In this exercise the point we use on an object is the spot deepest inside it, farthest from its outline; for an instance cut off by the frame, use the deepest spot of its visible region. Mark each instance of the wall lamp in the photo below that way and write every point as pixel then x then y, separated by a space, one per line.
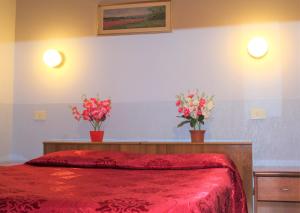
pixel 258 47
pixel 53 58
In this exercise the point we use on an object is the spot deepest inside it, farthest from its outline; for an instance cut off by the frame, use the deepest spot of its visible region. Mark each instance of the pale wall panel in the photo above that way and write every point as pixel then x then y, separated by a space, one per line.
pixel 7 37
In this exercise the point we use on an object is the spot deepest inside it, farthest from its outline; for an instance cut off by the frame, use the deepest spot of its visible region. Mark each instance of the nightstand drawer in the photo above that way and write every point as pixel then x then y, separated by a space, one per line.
pixel 278 189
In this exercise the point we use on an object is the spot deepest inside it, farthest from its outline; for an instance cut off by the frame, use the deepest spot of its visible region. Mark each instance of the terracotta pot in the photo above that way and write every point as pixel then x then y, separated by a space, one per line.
pixel 97 136
pixel 197 136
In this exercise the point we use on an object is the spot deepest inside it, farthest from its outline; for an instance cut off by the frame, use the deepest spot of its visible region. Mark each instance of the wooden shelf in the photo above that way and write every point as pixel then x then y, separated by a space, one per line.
pixel 10 163
pixel 150 142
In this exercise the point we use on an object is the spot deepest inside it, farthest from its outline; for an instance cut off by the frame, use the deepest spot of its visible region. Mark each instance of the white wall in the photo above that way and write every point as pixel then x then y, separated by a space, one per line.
pixel 143 74
pixel 7 37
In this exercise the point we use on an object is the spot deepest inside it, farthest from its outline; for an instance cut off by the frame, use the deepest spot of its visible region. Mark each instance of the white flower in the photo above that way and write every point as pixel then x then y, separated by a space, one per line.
pixel 206 113
pixel 210 105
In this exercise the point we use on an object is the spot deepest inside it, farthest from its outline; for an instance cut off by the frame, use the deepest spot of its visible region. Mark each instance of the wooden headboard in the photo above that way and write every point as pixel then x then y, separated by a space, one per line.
pixel 239 152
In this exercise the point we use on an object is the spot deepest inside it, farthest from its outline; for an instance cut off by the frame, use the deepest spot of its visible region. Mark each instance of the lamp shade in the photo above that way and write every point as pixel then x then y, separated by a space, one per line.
pixel 258 47
pixel 53 58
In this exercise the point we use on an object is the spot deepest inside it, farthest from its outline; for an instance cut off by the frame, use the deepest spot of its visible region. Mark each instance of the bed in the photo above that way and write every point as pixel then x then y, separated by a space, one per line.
pixel 240 153
pixel 113 181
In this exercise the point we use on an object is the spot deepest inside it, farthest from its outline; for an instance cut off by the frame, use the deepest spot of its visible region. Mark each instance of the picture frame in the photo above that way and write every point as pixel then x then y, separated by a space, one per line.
pixel 135 17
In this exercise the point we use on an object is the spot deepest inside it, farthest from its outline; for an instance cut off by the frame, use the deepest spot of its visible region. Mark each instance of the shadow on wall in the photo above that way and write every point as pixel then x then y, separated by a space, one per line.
pixel 51 19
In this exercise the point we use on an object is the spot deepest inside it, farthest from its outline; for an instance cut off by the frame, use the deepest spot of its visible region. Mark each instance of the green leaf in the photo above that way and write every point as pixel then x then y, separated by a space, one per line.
pixel 193 123
pixel 182 123
pixel 201 118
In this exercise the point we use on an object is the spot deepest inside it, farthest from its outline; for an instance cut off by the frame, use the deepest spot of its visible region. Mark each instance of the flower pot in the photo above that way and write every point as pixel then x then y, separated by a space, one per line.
pixel 97 136
pixel 197 136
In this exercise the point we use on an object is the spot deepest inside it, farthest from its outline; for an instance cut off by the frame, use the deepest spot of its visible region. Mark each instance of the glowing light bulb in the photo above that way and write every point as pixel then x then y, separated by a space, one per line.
pixel 258 47
pixel 53 58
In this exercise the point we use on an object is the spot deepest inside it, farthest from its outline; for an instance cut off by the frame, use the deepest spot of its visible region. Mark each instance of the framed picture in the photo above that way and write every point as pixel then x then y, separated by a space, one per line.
pixel 138 17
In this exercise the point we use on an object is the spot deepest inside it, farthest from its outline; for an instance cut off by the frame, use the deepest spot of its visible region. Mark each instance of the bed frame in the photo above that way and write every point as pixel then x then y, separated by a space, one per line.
pixel 239 152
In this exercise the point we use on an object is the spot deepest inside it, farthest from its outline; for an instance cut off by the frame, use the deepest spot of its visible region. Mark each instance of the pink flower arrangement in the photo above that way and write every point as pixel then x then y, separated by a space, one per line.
pixel 194 108
pixel 95 111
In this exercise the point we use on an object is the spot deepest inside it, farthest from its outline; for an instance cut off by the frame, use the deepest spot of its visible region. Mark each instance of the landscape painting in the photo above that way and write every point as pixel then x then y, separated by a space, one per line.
pixel 135 18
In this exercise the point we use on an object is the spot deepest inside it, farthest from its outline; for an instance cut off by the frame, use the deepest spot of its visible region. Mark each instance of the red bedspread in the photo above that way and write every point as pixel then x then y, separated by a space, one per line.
pixel 93 181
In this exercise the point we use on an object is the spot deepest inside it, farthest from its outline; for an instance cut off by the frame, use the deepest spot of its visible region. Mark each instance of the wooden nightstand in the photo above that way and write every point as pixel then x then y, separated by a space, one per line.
pixel 277 190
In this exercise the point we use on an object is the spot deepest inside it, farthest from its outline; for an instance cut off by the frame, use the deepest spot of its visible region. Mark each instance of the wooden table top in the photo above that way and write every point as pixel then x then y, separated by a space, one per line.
pixel 146 142
pixel 277 171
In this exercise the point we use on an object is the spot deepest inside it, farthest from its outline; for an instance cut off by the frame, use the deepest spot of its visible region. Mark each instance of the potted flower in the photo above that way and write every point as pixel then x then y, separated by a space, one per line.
pixel 95 111
pixel 195 109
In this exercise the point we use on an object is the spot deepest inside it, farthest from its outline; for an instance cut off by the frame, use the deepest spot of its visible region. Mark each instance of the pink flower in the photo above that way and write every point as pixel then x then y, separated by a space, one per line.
pixel 108 109
pixel 74 109
pixel 180 109
pixel 76 113
pixel 199 112
pixel 94 102
pixel 97 115
pixel 77 117
pixel 87 104
pixel 194 108
pixel 95 111
pixel 106 103
pixel 99 103
pixel 104 110
pixel 202 102
pixel 86 115
pixel 186 112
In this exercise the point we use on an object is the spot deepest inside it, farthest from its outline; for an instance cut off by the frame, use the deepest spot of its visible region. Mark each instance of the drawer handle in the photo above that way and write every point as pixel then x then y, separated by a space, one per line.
pixel 284 189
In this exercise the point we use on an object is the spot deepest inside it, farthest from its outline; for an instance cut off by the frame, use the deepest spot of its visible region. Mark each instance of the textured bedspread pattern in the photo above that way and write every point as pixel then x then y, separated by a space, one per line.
pixel 97 181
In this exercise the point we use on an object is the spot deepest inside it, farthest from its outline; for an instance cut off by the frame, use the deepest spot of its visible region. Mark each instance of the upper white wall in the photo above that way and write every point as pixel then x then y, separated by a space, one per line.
pixel 143 74
pixel 7 38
